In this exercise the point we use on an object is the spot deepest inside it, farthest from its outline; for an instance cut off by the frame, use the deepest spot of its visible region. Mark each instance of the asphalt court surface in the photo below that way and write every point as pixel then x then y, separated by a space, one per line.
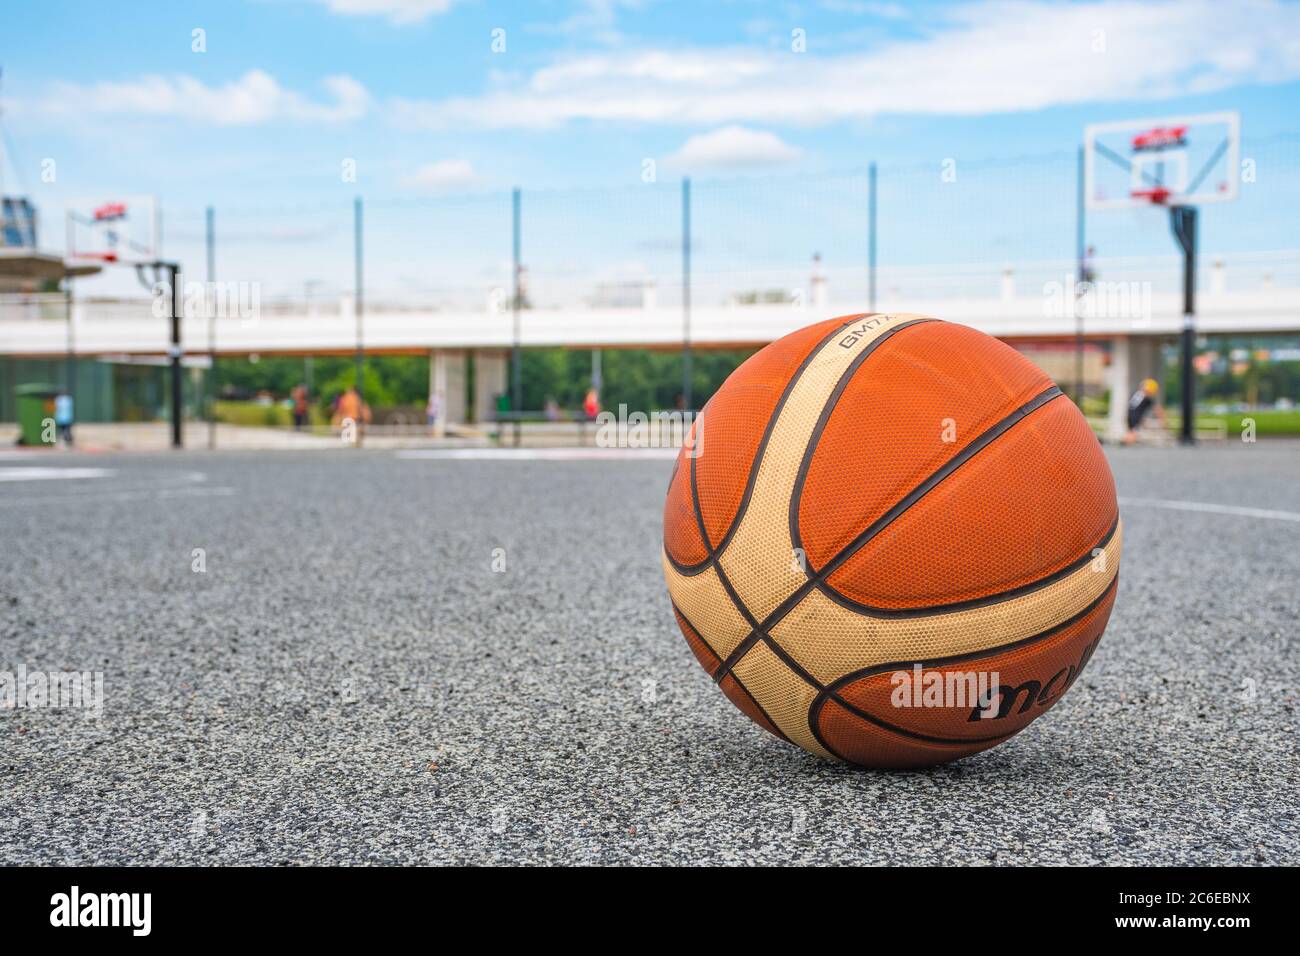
pixel 350 680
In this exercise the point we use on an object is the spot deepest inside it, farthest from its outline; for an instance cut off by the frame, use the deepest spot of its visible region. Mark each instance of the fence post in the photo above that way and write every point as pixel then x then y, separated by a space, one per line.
pixel 70 361
pixel 686 294
pixel 516 357
pixel 210 238
pixel 358 299
pixel 871 238
pixel 1081 250
pixel 1182 220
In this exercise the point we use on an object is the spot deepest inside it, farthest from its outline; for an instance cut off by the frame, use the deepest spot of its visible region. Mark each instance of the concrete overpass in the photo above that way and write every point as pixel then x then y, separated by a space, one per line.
pixel 1130 320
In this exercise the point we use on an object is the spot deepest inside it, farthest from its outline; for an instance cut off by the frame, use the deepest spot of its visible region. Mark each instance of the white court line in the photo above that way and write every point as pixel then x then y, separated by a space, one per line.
pixel 542 454
pixel 43 473
pixel 1206 506
pixel 185 484
pixel 146 494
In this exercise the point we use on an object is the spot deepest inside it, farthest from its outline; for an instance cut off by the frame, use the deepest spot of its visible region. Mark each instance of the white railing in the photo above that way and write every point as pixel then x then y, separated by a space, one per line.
pixel 39 307
pixel 841 288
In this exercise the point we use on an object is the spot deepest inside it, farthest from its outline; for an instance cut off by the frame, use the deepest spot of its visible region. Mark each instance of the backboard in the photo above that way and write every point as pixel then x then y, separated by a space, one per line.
pixel 1170 161
pixel 124 229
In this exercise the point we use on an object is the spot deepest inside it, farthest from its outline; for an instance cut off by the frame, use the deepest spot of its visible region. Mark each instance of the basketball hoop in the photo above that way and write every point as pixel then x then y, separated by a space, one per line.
pixel 1166 161
pixel 1156 195
pixel 1176 163
pixel 110 211
pixel 114 230
pixel 1162 137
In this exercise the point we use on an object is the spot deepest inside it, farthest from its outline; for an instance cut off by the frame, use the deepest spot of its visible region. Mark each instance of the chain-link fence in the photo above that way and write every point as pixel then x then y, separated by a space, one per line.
pixel 827 243
pixel 953 228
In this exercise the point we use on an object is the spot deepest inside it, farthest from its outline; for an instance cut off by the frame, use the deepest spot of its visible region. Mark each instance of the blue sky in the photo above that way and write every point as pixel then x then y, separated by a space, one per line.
pixel 584 93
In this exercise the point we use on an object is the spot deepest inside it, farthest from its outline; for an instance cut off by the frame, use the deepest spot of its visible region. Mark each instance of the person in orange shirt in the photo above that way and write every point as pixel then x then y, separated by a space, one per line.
pixel 351 406
pixel 591 404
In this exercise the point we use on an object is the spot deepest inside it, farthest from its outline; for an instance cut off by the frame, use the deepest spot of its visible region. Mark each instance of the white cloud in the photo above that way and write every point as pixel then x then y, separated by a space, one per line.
pixel 884 11
pixel 444 176
pixel 593 20
pixel 986 57
pixel 397 11
pixel 733 147
pixel 256 97
pixel 992 56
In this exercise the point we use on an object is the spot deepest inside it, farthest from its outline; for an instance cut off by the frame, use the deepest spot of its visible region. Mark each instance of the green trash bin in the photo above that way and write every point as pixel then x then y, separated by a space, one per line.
pixel 35 405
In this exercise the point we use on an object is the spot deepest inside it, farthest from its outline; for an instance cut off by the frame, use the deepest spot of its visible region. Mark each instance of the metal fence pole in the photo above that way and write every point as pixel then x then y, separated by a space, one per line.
pixel 687 404
pixel 1081 251
pixel 1182 219
pixel 516 358
pixel 68 303
pixel 211 239
pixel 871 238
pixel 172 270
pixel 70 365
pixel 359 284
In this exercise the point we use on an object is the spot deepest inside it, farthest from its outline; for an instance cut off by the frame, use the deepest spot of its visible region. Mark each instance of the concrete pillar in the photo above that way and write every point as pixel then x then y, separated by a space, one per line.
pixel 491 378
pixel 447 380
pixel 1132 359
pixel 438 389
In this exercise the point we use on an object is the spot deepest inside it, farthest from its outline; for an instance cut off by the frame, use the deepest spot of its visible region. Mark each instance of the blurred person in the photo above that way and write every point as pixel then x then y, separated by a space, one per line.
pixel 817 282
pixel 552 410
pixel 299 396
pixel 1089 269
pixel 591 404
pixel 432 410
pixel 1142 402
pixel 63 417
pixel 351 406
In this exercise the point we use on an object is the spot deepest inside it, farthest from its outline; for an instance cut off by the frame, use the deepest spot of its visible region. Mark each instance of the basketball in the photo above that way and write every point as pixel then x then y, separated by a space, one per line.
pixel 891 540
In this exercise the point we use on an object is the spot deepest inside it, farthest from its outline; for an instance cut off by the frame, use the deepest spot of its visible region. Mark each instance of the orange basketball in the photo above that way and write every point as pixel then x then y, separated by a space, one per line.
pixel 873 512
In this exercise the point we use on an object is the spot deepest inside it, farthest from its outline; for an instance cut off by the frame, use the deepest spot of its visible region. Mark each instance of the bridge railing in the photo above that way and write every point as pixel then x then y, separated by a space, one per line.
pixel 831 289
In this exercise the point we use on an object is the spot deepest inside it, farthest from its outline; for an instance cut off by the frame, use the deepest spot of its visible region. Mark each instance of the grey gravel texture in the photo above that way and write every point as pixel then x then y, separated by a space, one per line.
pixel 350 682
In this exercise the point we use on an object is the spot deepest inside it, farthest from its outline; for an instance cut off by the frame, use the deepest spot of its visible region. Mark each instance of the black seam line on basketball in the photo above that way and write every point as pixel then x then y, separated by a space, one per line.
pixel 915 495
pixel 739 683
pixel 790 662
pixel 711 553
pixel 1075 618
pixel 831 691
pixel 907 501
pixel 784 656
pixel 695 506
pixel 817 733
pixel 698 636
pixel 802 475
pixel 982 441
pixel 735 598
pixel 814 718
pixel 1038 584
pixel 823 689
pixel 759 707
